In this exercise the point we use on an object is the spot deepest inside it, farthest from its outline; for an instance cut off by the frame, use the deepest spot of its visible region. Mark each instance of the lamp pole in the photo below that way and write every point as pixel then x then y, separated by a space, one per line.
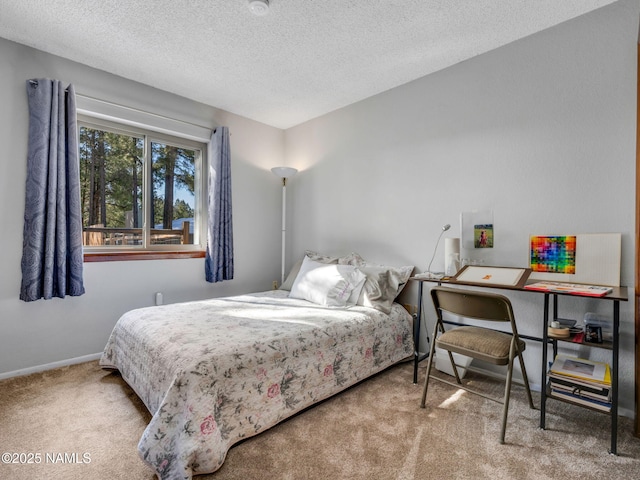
pixel 284 173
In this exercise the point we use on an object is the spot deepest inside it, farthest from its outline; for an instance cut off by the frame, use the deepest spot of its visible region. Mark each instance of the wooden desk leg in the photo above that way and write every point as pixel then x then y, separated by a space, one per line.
pixel 543 383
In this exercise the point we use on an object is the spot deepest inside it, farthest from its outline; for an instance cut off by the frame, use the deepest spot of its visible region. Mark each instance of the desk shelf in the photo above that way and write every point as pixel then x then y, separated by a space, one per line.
pixel 605 345
pixel 618 295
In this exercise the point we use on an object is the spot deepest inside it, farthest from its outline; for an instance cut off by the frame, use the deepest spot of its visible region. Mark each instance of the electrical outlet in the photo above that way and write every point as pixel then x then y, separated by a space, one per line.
pixel 274 285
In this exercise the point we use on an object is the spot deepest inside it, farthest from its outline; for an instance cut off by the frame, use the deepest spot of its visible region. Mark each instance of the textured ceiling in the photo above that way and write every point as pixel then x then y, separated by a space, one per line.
pixel 301 60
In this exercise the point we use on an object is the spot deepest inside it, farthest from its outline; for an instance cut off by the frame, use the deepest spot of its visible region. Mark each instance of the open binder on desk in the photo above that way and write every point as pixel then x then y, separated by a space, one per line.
pixel 493 276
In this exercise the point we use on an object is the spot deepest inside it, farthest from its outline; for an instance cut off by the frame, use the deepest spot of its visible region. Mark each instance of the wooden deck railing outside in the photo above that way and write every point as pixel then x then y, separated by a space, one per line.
pixel 97 235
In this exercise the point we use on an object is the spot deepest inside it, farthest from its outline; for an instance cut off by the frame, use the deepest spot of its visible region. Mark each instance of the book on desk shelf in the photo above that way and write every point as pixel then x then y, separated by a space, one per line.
pixel 583 389
pixel 582 400
pixel 581 381
pixel 570 288
pixel 579 369
pixel 560 381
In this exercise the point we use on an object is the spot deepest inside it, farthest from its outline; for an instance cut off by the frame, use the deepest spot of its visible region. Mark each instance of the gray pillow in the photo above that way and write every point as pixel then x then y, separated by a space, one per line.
pixel 383 283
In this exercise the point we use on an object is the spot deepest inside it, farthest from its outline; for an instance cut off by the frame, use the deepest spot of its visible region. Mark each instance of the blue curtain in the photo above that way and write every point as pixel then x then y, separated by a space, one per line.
pixel 52 236
pixel 219 259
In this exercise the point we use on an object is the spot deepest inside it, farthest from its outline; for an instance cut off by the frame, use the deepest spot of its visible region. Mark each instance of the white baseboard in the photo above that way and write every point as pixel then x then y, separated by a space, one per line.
pixel 50 366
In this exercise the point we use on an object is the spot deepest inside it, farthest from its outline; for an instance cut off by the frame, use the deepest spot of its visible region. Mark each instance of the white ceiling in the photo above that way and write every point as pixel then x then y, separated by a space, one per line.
pixel 303 59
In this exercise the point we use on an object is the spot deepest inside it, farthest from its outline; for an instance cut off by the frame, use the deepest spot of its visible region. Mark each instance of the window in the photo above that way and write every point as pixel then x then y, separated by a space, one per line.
pixel 141 191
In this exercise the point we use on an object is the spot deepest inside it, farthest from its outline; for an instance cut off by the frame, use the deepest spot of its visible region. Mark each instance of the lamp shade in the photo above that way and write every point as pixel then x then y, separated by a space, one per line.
pixel 284 172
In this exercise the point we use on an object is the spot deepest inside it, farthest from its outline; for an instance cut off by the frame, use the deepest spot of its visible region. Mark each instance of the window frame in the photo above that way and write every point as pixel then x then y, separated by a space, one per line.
pixel 148 251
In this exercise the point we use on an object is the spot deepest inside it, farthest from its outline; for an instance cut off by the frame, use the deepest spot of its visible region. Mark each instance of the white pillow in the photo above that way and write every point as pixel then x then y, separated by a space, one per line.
pixel 329 285
pixel 288 283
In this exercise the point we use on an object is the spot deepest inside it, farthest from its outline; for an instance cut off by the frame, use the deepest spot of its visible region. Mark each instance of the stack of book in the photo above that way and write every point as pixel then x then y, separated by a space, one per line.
pixel 584 382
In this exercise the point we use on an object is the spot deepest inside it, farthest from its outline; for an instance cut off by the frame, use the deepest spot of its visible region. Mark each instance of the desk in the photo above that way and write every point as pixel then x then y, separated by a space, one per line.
pixel 619 294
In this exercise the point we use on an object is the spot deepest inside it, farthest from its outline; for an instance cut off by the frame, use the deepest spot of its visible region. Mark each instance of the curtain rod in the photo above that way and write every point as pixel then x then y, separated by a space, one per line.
pixel 143 111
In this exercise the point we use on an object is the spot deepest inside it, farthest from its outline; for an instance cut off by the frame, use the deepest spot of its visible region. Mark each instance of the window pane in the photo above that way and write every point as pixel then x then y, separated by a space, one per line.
pixel 173 205
pixel 111 180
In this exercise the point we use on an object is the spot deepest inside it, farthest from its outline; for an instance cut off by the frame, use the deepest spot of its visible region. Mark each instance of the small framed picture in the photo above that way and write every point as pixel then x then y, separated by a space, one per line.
pixel 483 235
pixel 593 334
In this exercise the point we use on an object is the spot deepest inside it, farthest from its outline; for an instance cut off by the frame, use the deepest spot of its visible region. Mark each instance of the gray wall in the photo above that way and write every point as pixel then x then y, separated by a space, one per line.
pixel 541 132
pixel 45 332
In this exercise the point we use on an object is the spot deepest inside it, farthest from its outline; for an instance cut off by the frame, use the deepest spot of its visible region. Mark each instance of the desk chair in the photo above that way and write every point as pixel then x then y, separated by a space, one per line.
pixel 498 348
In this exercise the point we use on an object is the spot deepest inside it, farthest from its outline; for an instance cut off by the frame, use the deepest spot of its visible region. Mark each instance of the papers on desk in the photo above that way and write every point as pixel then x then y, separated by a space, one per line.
pixel 570 288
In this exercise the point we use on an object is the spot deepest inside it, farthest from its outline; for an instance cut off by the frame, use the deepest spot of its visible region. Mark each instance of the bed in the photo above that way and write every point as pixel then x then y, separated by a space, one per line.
pixel 217 371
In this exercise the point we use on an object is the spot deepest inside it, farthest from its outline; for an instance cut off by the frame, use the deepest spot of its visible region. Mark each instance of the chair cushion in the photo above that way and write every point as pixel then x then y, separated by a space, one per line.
pixel 481 343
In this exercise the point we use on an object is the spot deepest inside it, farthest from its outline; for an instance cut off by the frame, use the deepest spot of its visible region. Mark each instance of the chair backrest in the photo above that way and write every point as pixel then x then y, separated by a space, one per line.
pixel 473 304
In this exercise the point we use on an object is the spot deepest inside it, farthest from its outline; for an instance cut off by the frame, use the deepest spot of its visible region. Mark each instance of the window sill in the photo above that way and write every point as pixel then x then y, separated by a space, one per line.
pixel 147 255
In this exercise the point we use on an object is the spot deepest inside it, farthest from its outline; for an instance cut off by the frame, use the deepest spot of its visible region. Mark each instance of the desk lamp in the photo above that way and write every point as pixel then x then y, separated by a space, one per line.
pixel 429 273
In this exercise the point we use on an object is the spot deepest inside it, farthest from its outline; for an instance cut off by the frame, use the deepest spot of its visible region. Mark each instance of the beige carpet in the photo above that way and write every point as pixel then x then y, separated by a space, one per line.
pixel 375 430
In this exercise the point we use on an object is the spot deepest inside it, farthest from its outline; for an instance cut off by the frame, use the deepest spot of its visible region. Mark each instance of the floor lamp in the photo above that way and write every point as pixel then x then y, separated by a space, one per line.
pixel 284 173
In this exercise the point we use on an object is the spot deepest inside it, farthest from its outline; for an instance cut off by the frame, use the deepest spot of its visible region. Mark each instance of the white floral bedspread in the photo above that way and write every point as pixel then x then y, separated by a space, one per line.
pixel 217 371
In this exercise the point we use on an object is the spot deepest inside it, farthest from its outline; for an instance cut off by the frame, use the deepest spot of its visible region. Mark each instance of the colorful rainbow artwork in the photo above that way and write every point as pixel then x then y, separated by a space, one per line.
pixel 553 254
